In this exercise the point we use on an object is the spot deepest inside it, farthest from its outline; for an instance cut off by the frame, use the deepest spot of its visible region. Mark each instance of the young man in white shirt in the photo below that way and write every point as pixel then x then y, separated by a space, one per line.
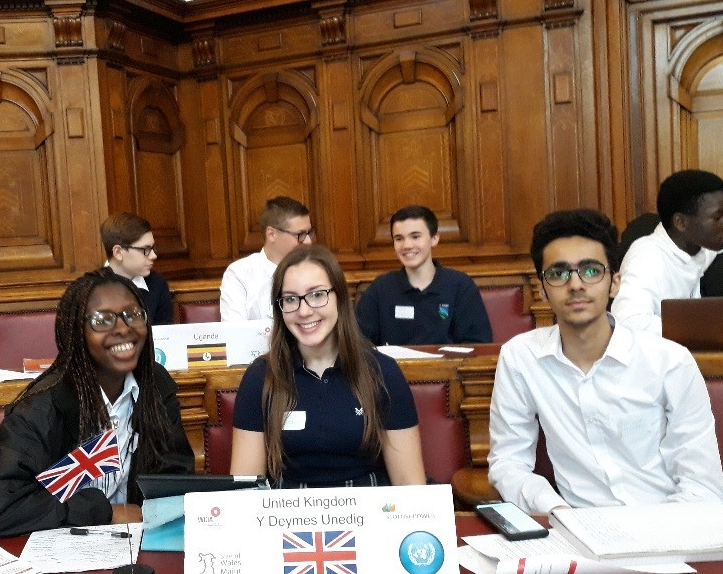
pixel 626 414
pixel 669 263
pixel 246 283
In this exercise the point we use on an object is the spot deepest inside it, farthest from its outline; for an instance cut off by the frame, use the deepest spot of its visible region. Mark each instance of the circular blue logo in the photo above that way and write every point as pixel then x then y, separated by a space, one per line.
pixel 160 356
pixel 421 553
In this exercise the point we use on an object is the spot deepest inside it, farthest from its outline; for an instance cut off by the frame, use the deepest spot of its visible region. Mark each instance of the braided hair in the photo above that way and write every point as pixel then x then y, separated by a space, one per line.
pixel 75 366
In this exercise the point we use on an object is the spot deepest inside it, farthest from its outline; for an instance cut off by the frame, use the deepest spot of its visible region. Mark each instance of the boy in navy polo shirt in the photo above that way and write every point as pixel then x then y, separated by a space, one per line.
pixel 423 303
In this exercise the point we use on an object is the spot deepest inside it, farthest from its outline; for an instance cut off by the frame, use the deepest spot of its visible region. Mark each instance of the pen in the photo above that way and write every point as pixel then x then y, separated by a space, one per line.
pixel 88 532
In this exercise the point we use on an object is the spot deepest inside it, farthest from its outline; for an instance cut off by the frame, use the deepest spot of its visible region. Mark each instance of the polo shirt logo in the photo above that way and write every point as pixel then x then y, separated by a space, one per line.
pixel 443 311
pixel 359 411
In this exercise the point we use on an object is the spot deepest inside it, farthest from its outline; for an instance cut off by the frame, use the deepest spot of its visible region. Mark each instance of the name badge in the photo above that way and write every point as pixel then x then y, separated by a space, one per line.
pixel 295 420
pixel 403 312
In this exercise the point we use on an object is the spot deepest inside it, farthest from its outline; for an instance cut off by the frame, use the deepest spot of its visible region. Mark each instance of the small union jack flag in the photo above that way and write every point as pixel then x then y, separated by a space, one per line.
pixel 319 552
pixel 89 461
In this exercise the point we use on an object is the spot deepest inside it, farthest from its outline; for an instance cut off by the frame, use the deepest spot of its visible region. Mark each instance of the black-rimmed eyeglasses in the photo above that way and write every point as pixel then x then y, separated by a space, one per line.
pixel 314 299
pixel 300 235
pixel 589 273
pixel 146 249
pixel 103 321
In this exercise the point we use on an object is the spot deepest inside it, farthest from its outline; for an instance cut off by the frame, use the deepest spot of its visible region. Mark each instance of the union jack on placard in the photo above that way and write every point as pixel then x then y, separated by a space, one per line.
pixel 91 460
pixel 331 552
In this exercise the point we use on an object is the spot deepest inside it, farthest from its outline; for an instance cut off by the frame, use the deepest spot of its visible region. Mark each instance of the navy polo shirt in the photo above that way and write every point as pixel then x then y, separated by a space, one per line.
pixel 450 310
pixel 325 430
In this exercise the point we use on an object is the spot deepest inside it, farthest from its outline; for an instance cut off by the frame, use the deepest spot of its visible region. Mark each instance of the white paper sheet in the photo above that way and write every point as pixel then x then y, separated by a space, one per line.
pixel 552 555
pixel 397 352
pixel 10 564
pixel 456 349
pixel 6 375
pixel 59 551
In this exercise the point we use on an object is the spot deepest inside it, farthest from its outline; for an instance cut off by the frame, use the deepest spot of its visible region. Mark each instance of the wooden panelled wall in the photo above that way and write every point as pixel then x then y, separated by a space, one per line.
pixel 491 112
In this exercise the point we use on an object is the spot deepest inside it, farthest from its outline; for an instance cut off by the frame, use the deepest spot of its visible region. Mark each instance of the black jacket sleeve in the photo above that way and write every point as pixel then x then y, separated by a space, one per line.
pixel 158 299
pixel 35 434
pixel 179 457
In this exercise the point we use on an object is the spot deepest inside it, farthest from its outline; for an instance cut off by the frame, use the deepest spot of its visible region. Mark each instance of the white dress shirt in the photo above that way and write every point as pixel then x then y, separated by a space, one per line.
pixel 636 429
pixel 246 289
pixel 653 269
pixel 115 485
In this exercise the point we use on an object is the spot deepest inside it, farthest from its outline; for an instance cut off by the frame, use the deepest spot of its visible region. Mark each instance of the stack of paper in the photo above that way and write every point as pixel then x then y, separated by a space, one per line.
pixel 674 532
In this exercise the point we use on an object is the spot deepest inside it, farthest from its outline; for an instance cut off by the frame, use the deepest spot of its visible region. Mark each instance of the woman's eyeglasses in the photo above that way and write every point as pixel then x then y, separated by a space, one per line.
pixel 103 321
pixel 314 299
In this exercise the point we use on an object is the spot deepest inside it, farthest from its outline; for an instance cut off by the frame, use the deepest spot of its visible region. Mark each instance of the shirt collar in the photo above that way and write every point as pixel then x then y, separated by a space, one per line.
pixel 298 361
pixel 670 246
pixel 269 265
pixel 433 287
pixel 619 347
pixel 138 281
pixel 130 385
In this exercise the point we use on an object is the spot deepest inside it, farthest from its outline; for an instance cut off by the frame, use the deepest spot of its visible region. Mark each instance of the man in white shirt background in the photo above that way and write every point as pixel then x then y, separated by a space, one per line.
pixel 669 263
pixel 246 283
pixel 626 414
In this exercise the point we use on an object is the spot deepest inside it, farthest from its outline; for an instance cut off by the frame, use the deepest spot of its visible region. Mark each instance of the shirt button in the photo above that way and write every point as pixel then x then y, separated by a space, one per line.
pixel 325 381
pixel 591 420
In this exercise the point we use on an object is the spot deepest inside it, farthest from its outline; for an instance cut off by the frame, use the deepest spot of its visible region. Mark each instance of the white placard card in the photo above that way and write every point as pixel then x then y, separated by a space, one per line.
pixel 200 345
pixel 404 529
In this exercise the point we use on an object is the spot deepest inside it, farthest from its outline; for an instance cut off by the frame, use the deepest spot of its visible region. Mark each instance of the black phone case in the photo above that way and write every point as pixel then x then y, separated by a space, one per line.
pixel 494 518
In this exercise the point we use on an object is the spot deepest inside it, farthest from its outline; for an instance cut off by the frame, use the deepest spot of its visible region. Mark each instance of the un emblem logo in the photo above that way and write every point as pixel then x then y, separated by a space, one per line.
pixel 160 356
pixel 421 553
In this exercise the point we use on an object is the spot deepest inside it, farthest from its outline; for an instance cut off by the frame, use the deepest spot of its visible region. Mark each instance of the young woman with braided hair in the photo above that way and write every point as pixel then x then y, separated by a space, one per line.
pixel 104 376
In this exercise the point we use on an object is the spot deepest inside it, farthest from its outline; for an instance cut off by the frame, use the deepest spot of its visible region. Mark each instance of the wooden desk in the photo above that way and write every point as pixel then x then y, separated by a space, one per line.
pixel 468 524
pixel 471 378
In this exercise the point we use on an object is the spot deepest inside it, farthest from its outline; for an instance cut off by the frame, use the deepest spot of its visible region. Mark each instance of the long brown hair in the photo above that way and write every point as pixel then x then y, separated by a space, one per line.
pixel 355 360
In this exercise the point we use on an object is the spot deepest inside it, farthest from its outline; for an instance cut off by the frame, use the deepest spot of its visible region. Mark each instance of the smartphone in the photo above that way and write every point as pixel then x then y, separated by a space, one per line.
pixel 511 521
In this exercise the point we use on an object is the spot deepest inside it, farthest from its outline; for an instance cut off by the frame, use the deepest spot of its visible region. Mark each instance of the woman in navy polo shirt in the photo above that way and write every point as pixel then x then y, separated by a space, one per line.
pixel 322 408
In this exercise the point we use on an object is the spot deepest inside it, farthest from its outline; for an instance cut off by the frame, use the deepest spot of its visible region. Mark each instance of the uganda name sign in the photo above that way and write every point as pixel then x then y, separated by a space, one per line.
pixel 390 529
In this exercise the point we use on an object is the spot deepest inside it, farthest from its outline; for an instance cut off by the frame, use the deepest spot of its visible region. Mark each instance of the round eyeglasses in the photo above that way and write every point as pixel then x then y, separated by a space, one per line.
pixel 146 249
pixel 103 321
pixel 314 299
pixel 589 273
pixel 300 235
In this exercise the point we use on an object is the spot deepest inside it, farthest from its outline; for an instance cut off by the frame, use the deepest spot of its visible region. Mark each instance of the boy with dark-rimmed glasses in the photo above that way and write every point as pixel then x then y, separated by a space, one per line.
pixel 626 414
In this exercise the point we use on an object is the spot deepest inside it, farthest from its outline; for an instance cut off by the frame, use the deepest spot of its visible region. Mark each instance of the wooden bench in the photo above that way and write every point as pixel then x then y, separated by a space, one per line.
pixel 445 441
pixel 506 305
pixel 26 335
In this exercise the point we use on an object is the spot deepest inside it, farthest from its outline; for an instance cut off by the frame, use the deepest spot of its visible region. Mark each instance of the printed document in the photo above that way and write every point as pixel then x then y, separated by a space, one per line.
pixel 550 555
pixel 60 551
pixel 676 531
pixel 9 564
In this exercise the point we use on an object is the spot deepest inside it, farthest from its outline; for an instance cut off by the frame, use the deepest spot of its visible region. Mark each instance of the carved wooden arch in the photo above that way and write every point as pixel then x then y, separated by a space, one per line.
pixel 155 119
pixel 409 106
pixel 30 227
pixel 18 90
pixel 694 54
pixel 431 67
pixel 276 108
